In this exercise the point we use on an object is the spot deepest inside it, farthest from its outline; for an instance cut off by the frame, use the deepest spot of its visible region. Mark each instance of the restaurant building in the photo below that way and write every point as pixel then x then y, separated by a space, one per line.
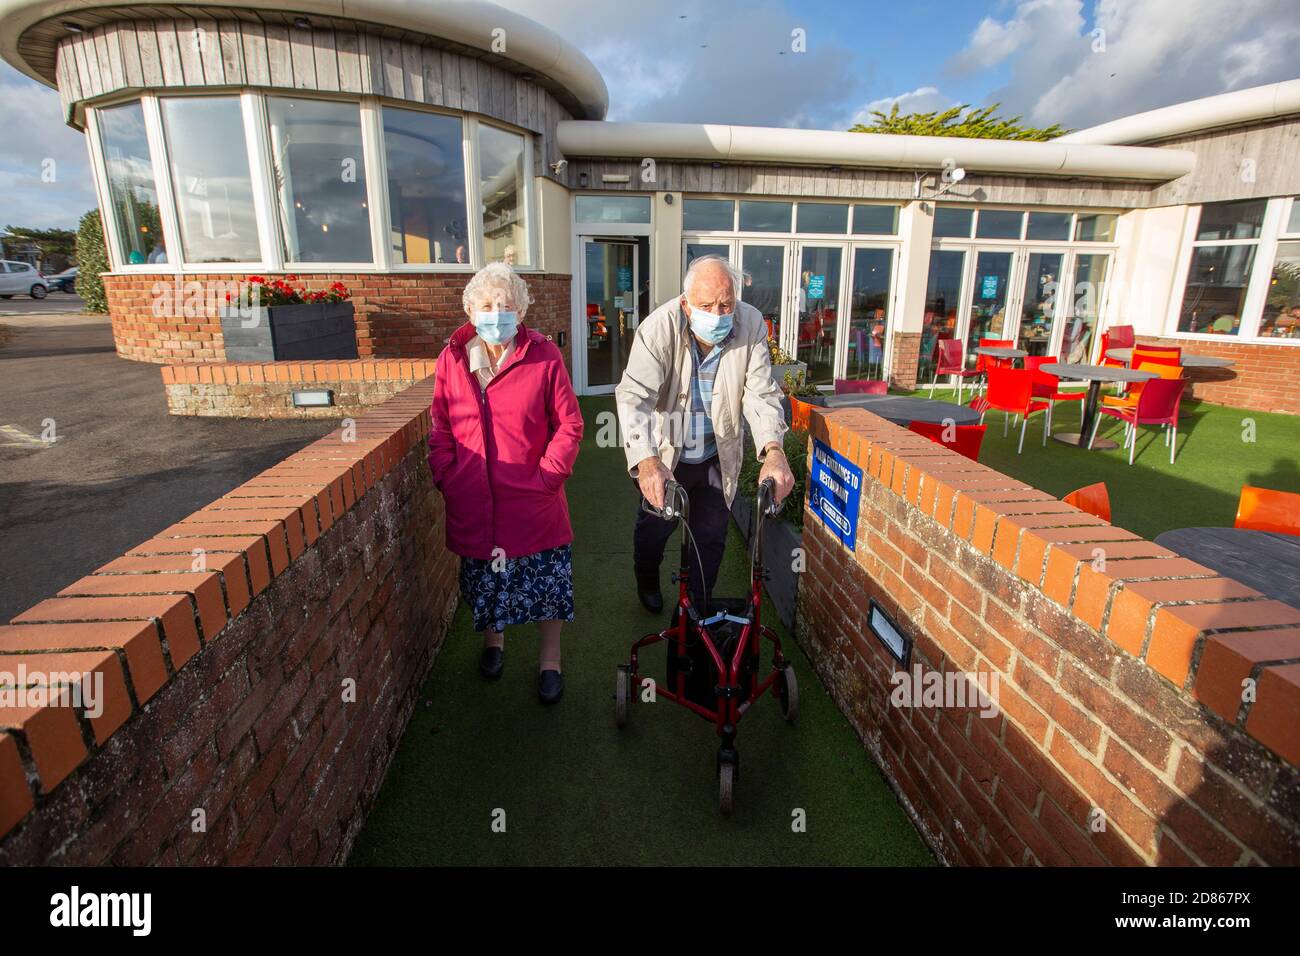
pixel 397 147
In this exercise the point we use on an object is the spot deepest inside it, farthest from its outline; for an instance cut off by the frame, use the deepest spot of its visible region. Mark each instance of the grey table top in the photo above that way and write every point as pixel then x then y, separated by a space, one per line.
pixel 902 409
pixel 1096 373
pixel 1267 562
pixel 1001 351
pixel 1186 361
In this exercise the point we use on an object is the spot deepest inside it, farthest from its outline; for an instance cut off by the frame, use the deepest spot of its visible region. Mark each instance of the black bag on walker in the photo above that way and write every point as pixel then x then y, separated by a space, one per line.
pixel 701 676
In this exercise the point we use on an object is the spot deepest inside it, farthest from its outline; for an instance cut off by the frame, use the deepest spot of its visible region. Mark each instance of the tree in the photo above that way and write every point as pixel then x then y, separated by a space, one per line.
pixel 960 121
pixel 56 245
pixel 92 259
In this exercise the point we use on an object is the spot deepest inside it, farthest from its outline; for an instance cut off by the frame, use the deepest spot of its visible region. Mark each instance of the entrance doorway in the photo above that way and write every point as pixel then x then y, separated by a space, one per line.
pixel 611 309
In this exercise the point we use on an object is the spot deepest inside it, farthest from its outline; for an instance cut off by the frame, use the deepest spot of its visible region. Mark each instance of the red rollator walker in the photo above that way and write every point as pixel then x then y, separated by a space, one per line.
pixel 714 658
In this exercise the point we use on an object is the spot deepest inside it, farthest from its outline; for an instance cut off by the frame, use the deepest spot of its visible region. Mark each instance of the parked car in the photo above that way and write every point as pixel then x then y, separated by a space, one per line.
pixel 65 281
pixel 19 278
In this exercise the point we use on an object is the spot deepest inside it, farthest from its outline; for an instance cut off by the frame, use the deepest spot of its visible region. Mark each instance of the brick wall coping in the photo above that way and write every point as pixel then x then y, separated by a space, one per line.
pixel 141 617
pixel 339 370
pixel 1201 631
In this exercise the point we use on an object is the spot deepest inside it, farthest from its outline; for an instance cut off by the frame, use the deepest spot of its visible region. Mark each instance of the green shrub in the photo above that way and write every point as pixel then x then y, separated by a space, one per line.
pixel 92 259
pixel 796 452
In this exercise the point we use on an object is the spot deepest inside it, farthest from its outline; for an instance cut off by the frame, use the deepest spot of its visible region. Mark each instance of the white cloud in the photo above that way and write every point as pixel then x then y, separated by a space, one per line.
pixel 1151 53
pixel 924 99
pixel 37 142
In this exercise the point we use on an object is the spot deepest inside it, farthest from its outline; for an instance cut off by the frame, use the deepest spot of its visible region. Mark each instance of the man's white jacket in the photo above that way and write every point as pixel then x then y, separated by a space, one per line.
pixel 654 395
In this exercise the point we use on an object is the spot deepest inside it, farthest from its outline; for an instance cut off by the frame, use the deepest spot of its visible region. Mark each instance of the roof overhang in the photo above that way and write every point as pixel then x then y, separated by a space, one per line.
pixel 1257 104
pixel 758 144
pixel 30 30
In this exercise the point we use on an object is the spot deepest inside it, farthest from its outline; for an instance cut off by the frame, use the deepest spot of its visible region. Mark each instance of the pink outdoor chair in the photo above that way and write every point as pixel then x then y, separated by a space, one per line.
pixel 952 361
pixel 861 386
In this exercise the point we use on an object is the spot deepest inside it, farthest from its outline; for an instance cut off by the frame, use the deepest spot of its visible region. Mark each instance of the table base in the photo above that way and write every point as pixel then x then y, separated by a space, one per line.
pixel 1081 441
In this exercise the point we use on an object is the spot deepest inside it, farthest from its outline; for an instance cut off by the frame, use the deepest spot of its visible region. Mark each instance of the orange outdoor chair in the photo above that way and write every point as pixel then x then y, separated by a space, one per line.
pixel 1094 499
pixel 966 439
pixel 1264 509
pixel 1011 391
pixel 1130 398
pixel 1157 354
pixel 861 386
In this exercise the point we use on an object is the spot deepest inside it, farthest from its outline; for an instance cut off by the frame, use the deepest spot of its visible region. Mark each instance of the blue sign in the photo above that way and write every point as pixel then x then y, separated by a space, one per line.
pixel 989 288
pixel 817 287
pixel 624 278
pixel 835 492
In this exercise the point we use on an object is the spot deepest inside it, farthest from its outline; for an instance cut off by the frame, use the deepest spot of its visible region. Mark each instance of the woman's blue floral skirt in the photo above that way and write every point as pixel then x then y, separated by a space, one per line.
pixel 532 587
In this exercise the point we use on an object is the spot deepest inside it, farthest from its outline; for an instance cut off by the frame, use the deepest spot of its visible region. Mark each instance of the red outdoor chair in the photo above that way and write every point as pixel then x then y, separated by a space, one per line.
pixel 1157 405
pixel 985 362
pixel 966 439
pixel 952 361
pixel 1122 336
pixel 1048 386
pixel 1094 499
pixel 861 386
pixel 1011 391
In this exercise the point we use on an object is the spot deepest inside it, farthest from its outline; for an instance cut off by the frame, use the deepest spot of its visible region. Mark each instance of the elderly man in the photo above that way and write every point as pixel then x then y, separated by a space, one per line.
pixel 697 363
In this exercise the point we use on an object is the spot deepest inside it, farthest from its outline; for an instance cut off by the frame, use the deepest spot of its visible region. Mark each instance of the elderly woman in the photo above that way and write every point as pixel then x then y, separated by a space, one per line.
pixel 506 428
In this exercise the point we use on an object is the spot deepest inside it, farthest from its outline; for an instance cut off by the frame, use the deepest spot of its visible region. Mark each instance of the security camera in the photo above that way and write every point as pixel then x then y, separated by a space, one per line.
pixel 954 175
pixel 559 166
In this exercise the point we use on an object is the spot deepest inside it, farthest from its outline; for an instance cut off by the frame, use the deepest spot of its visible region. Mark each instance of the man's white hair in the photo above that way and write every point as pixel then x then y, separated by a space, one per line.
pixel 692 272
pixel 499 276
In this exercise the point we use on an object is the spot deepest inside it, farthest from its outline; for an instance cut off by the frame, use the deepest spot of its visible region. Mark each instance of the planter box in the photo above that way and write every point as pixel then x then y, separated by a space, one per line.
pixel 311 331
pixel 797 369
pixel 779 541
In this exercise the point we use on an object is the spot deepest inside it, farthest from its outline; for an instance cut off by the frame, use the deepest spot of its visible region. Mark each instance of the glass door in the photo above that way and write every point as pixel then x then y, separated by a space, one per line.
pixel 609 290
pixel 990 291
pixel 943 296
pixel 763 265
pixel 1083 305
pixel 1040 301
pixel 867 335
pixel 818 309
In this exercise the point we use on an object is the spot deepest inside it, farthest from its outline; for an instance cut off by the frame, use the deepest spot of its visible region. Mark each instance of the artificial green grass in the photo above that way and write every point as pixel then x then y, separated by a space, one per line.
pixel 1214 459
pixel 577 790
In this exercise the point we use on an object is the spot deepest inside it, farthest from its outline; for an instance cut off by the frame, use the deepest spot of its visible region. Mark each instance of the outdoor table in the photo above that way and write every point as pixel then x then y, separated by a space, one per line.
pixel 1267 562
pixel 902 409
pixel 1094 375
pixel 1186 361
pixel 1001 351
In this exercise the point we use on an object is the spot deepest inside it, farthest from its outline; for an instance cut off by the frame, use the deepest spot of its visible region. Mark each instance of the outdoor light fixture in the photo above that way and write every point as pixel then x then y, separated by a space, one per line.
pixel 302 23
pixel 615 178
pixel 582 180
pixel 668 199
pixel 73 27
pixel 887 632
pixel 313 398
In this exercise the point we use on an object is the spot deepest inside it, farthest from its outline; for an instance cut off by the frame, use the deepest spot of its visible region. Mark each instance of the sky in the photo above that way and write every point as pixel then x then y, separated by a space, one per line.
pixel 1073 62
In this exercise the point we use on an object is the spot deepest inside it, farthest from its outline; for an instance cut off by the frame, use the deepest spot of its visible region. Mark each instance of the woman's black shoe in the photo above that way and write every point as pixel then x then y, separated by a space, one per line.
pixel 490 662
pixel 550 686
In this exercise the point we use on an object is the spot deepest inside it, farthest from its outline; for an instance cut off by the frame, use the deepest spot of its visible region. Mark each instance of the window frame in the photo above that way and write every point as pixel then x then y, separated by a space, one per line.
pixel 479 257
pixel 1276 212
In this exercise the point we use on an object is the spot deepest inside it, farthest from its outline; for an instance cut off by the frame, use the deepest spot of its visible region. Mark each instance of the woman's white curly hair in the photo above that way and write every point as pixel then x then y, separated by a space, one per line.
pixel 498 276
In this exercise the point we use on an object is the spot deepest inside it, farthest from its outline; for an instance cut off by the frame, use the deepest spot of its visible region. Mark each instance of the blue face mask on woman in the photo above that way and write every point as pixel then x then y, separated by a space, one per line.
pixel 496 328
pixel 709 326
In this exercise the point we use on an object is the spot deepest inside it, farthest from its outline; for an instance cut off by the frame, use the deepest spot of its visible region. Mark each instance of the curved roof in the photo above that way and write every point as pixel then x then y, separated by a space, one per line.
pixel 1256 104
pixel 761 144
pixel 30 31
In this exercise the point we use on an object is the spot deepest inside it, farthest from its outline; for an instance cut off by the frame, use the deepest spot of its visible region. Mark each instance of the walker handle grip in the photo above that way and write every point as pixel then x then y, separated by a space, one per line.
pixel 767 505
pixel 669 511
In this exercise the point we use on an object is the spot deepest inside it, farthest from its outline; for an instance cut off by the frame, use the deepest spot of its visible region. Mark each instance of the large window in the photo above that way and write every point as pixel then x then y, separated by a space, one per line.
pixel 128 169
pixel 208 158
pixel 708 215
pixel 1281 316
pixel 758 215
pixel 1218 277
pixel 426 187
pixel 504 188
pixel 320 180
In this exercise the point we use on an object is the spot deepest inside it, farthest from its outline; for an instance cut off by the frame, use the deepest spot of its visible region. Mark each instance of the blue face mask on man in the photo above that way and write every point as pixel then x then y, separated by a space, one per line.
pixel 496 328
pixel 709 326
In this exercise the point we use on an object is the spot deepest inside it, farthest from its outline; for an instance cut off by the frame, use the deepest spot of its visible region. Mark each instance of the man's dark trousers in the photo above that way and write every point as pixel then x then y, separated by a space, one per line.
pixel 702 483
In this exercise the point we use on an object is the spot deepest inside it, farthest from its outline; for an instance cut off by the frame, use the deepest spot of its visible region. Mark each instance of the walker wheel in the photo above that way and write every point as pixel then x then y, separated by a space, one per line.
pixel 622 695
pixel 726 786
pixel 789 694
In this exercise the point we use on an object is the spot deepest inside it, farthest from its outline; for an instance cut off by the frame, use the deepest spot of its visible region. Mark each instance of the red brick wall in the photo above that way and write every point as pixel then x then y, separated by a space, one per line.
pixel 1264 378
pixel 1120 696
pixel 398 315
pixel 905 361
pixel 226 685
pixel 265 389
